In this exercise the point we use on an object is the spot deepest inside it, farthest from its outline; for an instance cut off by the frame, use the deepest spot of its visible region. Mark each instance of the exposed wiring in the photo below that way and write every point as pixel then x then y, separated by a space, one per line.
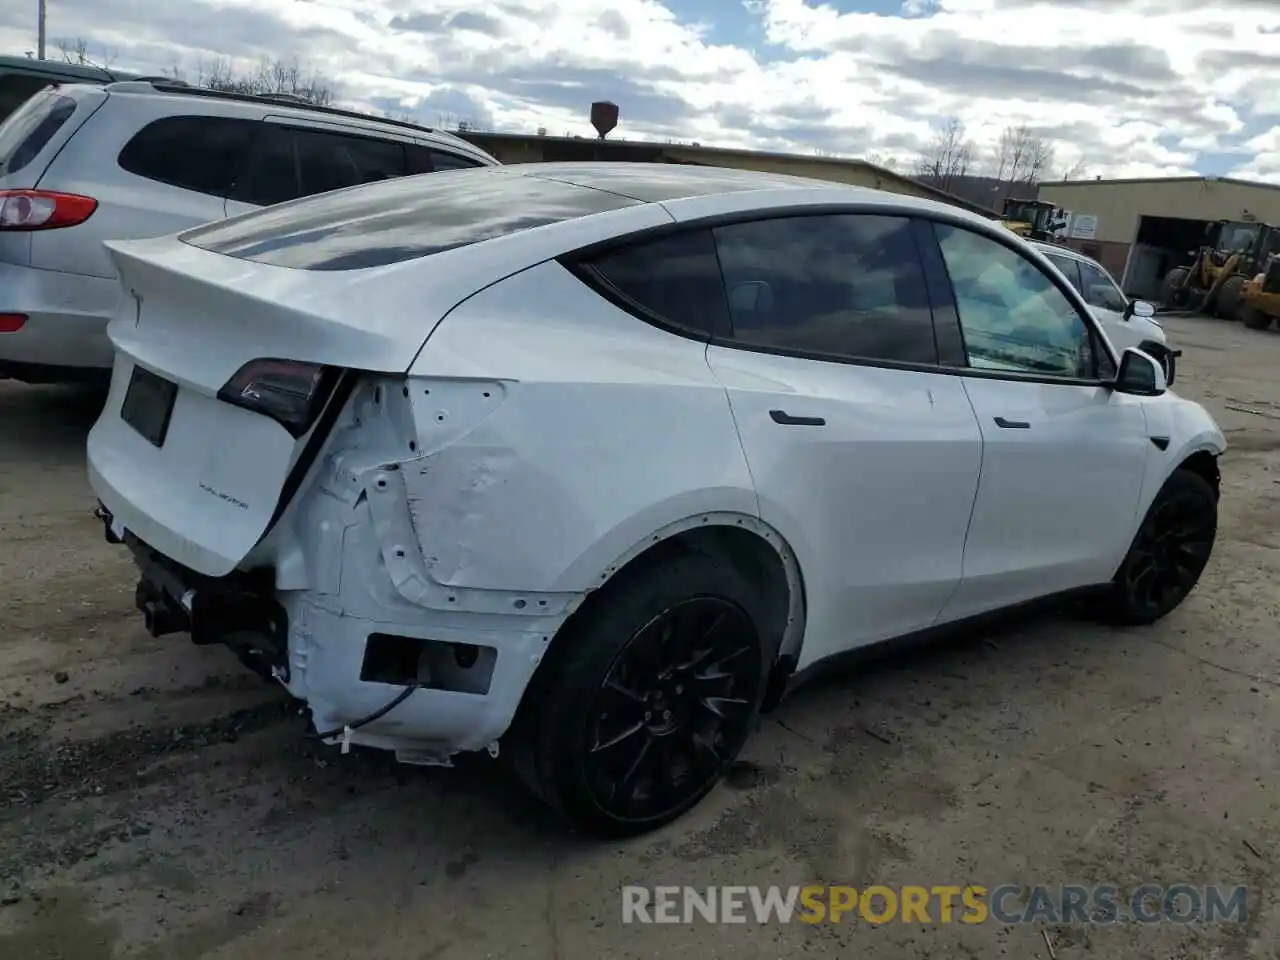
pixel 378 714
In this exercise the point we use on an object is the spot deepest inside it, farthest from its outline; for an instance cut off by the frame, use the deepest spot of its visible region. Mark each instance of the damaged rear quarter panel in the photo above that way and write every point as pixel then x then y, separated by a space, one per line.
pixel 606 430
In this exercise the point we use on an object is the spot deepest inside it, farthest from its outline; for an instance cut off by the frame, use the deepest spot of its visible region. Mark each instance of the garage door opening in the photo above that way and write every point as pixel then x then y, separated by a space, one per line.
pixel 1162 244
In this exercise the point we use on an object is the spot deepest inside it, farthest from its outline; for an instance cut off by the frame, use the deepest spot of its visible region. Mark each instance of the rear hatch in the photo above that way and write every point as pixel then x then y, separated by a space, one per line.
pixel 29 140
pixel 230 339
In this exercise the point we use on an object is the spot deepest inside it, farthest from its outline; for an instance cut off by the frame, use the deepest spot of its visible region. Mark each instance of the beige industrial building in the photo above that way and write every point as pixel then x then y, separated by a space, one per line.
pixel 523 148
pixel 1141 229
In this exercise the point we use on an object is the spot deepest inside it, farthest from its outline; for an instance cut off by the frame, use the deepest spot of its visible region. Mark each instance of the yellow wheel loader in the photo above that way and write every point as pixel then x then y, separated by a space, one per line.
pixel 1215 279
pixel 1260 296
pixel 1032 219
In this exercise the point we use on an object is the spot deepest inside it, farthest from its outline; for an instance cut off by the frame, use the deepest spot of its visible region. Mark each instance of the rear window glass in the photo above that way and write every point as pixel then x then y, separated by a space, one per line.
pixel 396 220
pixel 31 127
pixel 196 153
pixel 16 89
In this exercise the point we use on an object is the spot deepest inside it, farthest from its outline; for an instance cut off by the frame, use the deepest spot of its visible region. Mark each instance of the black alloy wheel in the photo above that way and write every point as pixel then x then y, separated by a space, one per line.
pixel 673 709
pixel 646 695
pixel 1170 551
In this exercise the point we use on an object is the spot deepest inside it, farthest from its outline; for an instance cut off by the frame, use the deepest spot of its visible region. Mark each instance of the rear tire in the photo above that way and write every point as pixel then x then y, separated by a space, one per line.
pixel 648 695
pixel 1168 554
pixel 1254 318
pixel 1229 298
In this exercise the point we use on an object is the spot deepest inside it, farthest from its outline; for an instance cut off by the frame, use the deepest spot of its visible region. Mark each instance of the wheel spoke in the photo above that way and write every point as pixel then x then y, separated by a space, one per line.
pixel 618 738
pixel 718 705
pixel 673 708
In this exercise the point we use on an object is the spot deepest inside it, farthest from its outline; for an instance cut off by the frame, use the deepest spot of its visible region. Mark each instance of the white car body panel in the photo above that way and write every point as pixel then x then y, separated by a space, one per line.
pixel 1031 531
pixel 516 438
pixel 865 580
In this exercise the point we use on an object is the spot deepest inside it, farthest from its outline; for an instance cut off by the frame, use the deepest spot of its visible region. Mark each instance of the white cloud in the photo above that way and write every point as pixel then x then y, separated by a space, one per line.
pixel 1129 87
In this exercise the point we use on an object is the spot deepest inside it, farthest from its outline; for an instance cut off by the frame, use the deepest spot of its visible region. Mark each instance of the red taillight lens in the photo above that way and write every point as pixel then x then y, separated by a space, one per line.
pixel 43 209
pixel 12 322
pixel 288 391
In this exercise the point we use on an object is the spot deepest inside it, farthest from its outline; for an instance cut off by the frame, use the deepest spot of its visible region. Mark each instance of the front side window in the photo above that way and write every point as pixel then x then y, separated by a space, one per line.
pixel 1100 290
pixel 1067 267
pixel 1013 316
pixel 844 285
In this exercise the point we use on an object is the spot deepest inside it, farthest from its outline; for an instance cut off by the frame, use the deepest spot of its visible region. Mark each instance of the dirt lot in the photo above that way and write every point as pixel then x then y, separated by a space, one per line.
pixel 156 802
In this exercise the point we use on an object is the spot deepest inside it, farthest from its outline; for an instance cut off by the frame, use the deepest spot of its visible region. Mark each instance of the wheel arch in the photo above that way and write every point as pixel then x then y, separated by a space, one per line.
pixel 753 546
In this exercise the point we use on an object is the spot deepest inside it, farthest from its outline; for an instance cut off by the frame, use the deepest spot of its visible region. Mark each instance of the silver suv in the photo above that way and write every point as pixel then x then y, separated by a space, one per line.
pixel 84 163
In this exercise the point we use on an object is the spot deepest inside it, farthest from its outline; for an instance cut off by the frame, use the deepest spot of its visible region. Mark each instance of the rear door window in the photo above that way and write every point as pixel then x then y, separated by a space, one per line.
pixel 272 172
pixel 31 127
pixel 203 154
pixel 324 163
pixel 846 286
pixel 1067 267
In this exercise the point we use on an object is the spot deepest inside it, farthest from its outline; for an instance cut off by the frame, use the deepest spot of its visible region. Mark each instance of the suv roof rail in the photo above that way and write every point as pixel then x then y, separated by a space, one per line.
pixel 169 85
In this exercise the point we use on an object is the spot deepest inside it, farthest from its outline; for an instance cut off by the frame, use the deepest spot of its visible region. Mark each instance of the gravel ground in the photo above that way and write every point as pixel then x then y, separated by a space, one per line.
pixel 157 802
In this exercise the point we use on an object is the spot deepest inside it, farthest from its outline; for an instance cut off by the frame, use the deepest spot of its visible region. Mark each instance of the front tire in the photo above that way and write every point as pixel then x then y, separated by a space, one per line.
pixel 1173 295
pixel 1254 318
pixel 1168 554
pixel 650 693
pixel 1229 298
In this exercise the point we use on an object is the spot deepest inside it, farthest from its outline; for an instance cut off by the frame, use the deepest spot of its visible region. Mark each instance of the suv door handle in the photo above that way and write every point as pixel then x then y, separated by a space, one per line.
pixel 786 419
pixel 1012 424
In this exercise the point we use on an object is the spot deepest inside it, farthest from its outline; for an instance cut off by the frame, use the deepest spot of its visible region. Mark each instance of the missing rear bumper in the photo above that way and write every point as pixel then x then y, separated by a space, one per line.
pixel 238 611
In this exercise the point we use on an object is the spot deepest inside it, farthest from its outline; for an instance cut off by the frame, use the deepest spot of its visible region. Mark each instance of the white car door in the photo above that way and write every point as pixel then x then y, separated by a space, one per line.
pixel 1063 454
pixel 862 458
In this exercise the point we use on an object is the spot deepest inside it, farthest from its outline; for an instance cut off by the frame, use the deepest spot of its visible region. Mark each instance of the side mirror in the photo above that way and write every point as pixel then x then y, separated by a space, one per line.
pixel 1139 375
pixel 1139 308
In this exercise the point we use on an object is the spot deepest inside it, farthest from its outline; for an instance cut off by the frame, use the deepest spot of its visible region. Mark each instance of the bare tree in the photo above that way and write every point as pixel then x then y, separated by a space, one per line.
pixel 273 77
pixel 947 156
pixel 892 164
pixel 1077 171
pixel 1022 156
pixel 77 51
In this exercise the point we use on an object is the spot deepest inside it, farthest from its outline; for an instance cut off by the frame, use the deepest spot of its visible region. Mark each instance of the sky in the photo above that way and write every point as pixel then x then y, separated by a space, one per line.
pixel 1127 88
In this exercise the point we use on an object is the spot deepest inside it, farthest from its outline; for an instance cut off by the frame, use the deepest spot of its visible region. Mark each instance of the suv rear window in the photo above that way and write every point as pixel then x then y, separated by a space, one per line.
pixel 16 89
pixel 403 219
pixel 196 153
pixel 31 127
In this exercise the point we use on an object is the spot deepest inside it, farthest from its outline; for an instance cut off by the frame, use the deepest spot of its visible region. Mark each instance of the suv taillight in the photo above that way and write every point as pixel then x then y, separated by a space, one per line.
pixel 288 391
pixel 43 209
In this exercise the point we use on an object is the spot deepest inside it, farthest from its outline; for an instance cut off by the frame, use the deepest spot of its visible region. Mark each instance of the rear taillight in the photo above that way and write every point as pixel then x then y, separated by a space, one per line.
pixel 12 322
pixel 288 391
pixel 43 209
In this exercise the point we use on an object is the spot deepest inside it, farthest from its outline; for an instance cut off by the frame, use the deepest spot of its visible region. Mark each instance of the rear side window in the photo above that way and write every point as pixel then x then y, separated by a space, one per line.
pixel 16 89
pixel 202 154
pixel 675 277
pixel 30 129
pixel 843 285
pixel 401 219
pixel 426 160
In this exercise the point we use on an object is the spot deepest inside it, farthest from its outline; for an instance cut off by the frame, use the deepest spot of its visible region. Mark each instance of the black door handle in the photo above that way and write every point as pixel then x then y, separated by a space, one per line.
pixel 786 419
pixel 1012 424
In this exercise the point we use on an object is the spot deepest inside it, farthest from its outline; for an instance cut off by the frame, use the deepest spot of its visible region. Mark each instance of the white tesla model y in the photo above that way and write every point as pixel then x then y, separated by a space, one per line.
pixel 588 464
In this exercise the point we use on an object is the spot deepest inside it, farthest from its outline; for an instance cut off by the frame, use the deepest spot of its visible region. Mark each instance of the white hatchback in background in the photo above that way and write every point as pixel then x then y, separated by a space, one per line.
pixel 1127 323
pixel 586 463
pixel 84 163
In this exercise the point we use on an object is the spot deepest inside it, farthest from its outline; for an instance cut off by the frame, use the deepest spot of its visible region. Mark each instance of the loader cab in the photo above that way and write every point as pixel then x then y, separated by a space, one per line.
pixel 1035 219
